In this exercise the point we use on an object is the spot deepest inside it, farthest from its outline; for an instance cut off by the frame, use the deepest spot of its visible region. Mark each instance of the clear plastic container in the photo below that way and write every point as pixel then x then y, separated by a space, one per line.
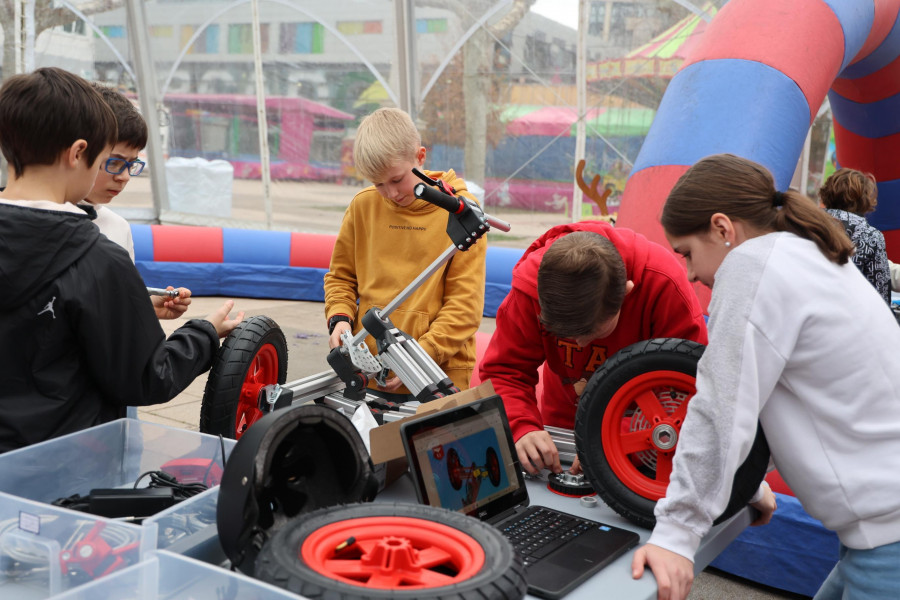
pixel 112 455
pixel 189 528
pixel 167 576
pixel 45 550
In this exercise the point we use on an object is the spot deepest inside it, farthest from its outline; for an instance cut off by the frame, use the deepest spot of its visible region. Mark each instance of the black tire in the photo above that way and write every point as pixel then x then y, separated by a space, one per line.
pixel 283 559
pixel 492 465
pixel 627 480
pixel 453 467
pixel 254 341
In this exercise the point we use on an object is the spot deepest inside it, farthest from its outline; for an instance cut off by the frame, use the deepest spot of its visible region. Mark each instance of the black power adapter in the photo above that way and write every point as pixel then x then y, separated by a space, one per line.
pixel 141 502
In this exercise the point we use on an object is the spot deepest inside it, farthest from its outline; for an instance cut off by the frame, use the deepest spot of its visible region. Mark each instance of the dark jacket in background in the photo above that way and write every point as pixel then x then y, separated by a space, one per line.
pixel 871 255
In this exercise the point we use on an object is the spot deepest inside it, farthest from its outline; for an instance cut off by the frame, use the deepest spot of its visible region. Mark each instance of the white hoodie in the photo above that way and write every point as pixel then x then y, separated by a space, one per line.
pixel 809 349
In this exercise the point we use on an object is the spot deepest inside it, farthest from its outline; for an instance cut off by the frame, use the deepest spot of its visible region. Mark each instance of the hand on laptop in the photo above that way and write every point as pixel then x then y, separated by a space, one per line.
pixel 537 451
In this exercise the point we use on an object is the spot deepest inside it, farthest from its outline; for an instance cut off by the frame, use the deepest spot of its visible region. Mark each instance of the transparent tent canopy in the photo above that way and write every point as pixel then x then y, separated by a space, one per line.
pixel 254 104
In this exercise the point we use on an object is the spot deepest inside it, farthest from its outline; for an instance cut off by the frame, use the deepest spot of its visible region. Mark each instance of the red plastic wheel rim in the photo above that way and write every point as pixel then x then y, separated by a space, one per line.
pixel 391 553
pixel 642 393
pixel 263 371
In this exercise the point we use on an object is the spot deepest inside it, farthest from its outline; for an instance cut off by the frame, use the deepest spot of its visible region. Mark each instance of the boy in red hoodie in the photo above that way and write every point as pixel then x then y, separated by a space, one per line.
pixel 580 293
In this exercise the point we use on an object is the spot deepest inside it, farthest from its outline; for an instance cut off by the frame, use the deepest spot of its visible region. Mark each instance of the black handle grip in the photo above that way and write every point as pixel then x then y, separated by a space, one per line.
pixel 438 198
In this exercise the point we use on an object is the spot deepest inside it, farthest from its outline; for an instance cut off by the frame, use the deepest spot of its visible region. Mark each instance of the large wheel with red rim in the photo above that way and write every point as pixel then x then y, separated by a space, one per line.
pixel 253 356
pixel 381 550
pixel 628 422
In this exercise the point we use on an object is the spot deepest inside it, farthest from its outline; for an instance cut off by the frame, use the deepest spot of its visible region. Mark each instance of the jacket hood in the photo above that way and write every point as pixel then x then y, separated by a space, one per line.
pixel 37 246
pixel 633 247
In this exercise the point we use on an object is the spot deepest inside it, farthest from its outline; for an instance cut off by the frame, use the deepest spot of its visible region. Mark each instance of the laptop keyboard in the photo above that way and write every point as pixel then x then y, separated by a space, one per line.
pixel 538 533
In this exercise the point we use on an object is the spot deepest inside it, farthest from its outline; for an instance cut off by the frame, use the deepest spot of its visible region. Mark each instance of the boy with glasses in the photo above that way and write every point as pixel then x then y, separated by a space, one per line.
pixel 115 173
pixel 78 338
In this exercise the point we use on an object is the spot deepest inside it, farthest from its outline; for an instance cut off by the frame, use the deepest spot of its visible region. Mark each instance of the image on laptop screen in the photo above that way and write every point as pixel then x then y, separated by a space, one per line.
pixel 464 460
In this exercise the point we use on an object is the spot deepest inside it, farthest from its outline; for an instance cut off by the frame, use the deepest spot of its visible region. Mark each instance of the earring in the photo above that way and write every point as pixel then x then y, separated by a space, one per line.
pixel 728 244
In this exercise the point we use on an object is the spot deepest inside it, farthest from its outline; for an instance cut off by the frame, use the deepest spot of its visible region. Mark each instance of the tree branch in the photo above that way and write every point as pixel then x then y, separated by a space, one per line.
pixel 512 18
pixel 46 15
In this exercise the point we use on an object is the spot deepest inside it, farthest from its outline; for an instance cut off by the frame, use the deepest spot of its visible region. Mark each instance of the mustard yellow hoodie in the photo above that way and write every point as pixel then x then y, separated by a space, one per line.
pixel 381 248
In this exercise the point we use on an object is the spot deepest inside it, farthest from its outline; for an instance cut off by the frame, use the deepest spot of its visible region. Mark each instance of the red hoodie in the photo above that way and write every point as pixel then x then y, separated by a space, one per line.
pixel 662 304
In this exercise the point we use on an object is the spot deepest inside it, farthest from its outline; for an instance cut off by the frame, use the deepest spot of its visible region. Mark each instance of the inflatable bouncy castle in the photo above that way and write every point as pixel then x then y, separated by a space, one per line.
pixel 752 85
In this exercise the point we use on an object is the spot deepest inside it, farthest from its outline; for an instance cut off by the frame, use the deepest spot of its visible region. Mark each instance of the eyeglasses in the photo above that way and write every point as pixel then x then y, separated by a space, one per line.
pixel 115 166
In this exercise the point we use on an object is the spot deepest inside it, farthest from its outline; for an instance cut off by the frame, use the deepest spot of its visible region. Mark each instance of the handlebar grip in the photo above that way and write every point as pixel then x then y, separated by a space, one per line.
pixel 438 198
pixel 453 204
pixel 497 223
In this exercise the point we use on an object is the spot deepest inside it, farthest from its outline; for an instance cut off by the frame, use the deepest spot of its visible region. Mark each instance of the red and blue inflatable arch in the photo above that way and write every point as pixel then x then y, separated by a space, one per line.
pixel 752 86
pixel 249 263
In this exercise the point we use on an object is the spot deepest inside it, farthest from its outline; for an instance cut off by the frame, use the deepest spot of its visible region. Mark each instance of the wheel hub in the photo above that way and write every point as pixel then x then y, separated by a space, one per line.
pixel 670 399
pixel 393 554
pixel 664 436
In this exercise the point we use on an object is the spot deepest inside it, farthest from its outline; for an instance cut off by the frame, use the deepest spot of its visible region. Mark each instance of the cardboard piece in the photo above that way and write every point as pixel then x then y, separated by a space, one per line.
pixel 386 444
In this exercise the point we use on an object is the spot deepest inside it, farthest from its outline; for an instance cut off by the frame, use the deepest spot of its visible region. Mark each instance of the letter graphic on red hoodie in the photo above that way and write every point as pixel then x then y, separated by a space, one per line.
pixel 662 304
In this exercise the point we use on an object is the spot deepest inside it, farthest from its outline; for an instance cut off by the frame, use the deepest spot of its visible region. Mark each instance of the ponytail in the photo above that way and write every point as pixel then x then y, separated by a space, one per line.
pixel 745 191
pixel 803 218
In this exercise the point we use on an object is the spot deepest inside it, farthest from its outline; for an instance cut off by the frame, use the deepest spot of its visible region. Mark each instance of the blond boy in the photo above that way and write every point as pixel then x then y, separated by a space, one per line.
pixel 388 237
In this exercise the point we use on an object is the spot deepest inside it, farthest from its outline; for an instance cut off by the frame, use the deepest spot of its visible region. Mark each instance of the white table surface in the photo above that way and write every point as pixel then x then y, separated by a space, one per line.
pixel 615 580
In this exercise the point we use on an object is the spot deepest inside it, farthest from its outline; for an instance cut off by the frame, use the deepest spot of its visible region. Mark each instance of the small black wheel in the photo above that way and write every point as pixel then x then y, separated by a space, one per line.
pixel 253 356
pixel 492 464
pixel 454 468
pixel 627 426
pixel 381 550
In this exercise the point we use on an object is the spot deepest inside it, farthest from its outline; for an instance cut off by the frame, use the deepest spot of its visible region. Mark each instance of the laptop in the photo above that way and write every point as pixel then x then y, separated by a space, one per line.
pixel 464 459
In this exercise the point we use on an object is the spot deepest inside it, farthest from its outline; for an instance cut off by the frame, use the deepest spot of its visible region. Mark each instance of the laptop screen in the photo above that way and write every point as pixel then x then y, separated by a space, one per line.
pixel 464 459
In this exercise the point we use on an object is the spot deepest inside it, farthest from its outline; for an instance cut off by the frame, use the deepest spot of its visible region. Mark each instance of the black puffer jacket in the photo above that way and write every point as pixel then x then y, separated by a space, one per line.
pixel 79 339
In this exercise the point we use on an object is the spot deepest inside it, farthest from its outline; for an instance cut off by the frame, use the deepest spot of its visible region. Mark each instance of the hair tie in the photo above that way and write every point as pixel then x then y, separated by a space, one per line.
pixel 778 199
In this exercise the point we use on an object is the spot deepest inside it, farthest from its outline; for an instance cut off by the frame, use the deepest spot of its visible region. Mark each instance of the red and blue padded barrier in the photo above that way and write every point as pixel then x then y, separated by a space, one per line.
pixel 213 261
pixel 752 86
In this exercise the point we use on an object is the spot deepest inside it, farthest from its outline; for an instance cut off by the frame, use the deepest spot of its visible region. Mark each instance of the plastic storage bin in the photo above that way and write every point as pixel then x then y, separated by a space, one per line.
pixel 112 455
pixel 189 528
pixel 45 550
pixel 115 455
pixel 165 576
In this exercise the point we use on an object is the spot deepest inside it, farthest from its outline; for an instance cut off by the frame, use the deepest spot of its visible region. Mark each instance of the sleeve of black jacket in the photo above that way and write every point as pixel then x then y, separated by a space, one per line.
pixel 128 357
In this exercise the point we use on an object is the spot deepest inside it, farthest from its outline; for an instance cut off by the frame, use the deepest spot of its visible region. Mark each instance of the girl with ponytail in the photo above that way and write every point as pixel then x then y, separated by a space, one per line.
pixel 802 344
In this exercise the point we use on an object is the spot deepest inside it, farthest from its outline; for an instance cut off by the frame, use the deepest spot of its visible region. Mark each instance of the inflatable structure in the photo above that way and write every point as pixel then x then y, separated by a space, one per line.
pixel 752 85
pixel 215 261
